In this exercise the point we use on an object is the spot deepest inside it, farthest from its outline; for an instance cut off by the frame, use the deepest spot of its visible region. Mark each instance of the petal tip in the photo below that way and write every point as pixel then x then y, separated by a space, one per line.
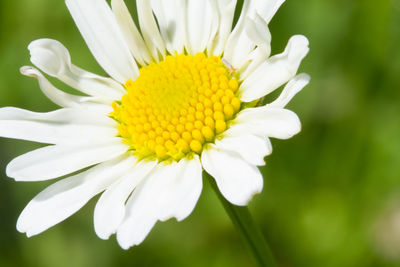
pixel 102 235
pixel 305 77
pixel 10 172
pixel 28 71
pixel 124 242
pixel 300 40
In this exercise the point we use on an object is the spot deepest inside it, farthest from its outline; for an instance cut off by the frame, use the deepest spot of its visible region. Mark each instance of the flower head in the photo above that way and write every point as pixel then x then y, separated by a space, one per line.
pixel 182 97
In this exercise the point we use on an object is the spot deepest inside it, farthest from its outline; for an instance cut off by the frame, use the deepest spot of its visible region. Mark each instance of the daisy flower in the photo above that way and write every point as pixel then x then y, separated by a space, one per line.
pixel 183 95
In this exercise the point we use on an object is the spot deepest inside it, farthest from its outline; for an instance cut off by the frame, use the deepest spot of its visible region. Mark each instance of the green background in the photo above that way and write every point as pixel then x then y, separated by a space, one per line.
pixel 331 194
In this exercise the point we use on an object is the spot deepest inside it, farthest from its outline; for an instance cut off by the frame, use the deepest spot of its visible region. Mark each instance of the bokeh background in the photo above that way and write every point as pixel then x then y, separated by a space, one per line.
pixel 332 193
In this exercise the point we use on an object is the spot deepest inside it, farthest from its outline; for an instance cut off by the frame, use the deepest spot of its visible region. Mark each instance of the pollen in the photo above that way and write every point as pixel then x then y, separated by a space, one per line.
pixel 177 106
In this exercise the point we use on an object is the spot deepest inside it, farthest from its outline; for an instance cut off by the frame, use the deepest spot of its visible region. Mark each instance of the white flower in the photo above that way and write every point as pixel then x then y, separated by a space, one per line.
pixel 181 98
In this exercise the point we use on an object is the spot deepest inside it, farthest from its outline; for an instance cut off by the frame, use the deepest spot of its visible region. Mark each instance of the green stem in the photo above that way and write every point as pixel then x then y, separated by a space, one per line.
pixel 245 224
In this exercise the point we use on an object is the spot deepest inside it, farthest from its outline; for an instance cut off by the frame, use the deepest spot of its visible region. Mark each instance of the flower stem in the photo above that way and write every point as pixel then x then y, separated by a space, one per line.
pixel 245 224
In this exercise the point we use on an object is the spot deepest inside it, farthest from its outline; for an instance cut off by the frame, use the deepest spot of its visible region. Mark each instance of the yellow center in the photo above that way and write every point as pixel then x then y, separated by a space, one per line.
pixel 177 106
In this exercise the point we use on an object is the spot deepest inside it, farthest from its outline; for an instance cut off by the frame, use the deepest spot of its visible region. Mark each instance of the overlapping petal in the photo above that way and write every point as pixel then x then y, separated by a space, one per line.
pixel 251 148
pixel 145 205
pixel 266 122
pixel 54 59
pixel 201 21
pixel 63 198
pixel 184 191
pixel 170 16
pixel 110 209
pixel 101 32
pixel 276 71
pixel 237 180
pixel 130 32
pixel 150 31
pixel 170 190
pixel 240 44
pixel 61 98
pixel 57 160
pixel 226 12
pixel 63 126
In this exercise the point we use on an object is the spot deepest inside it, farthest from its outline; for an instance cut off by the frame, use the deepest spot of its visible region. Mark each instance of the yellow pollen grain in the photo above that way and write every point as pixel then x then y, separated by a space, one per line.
pixel 220 126
pixel 228 111
pixel 209 122
pixel 177 106
pixel 218 115
pixel 233 84
pixel 196 146
pixel 208 133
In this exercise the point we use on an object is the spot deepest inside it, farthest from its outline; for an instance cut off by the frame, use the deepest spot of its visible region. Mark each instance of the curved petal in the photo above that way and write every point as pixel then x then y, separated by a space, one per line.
pixel 54 59
pixel 291 89
pixel 132 36
pixel 65 197
pixel 56 95
pixel 237 180
pixel 266 122
pixel 99 28
pixel 150 31
pixel 276 71
pixel 266 8
pixel 256 58
pixel 145 204
pixel 110 209
pixel 239 44
pixel 63 126
pixel 226 11
pixel 258 31
pixel 251 148
pixel 170 17
pixel 201 24
pixel 57 160
pixel 184 191
pixel 64 115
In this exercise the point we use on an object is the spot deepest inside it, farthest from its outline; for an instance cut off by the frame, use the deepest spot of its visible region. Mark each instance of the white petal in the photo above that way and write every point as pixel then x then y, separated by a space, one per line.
pixel 58 160
pixel 276 71
pixel 63 126
pixel 291 89
pixel 144 206
pixel 237 180
pixel 150 31
pixel 201 24
pixel 256 58
pixel 240 44
pixel 266 8
pixel 226 11
pixel 170 190
pixel 54 59
pixel 110 209
pixel 258 31
pixel 57 96
pixel 170 17
pixel 251 148
pixel 132 36
pixel 99 28
pixel 266 122
pixel 183 191
pixel 64 115
pixel 63 198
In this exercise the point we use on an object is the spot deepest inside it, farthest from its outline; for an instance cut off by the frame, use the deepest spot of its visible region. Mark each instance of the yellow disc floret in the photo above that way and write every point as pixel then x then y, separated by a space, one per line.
pixel 177 106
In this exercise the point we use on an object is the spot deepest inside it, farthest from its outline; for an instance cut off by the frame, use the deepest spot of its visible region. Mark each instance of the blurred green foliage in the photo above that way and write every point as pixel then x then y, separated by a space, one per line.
pixel 332 193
